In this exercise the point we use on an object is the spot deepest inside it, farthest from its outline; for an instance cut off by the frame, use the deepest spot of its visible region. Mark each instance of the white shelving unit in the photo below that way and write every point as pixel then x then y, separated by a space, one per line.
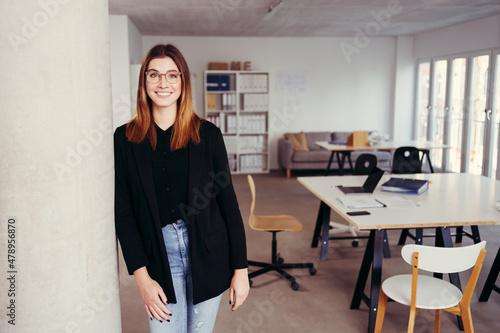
pixel 238 103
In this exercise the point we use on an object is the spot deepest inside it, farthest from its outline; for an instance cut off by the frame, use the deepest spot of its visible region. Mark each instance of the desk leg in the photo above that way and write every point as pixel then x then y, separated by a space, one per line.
pixel 387 250
pixel 321 230
pixel 475 234
pixel 419 236
pixel 329 163
pixel 348 153
pixel 341 164
pixel 443 239
pixel 489 285
pixel 426 153
pixel 373 256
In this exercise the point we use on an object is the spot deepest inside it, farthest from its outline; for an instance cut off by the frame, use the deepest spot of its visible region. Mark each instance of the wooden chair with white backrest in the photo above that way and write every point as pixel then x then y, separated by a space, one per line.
pixel 426 292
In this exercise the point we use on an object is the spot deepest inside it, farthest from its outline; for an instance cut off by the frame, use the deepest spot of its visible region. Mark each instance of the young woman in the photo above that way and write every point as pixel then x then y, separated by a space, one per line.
pixel 176 213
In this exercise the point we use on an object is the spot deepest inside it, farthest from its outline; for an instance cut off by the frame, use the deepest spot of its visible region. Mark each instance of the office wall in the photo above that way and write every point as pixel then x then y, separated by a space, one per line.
pixel 341 93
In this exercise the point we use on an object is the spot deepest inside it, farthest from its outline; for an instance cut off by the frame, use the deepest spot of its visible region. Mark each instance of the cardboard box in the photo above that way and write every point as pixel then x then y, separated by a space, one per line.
pixel 218 66
pixel 357 138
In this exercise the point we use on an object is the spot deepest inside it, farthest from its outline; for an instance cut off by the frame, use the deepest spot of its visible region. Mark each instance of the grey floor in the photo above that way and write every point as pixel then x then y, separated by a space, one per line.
pixel 322 302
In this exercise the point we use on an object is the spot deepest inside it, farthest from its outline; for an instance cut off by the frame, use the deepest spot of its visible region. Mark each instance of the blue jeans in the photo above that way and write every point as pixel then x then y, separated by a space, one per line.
pixel 186 317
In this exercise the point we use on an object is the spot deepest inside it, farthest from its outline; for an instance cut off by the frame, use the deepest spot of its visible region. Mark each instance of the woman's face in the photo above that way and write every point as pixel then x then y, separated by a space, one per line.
pixel 163 94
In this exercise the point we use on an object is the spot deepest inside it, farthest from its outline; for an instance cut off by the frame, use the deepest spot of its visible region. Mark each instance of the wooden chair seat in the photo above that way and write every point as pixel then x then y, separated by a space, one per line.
pixel 275 223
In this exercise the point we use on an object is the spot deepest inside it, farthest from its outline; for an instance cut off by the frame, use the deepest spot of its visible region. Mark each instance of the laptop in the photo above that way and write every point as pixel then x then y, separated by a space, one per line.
pixel 368 187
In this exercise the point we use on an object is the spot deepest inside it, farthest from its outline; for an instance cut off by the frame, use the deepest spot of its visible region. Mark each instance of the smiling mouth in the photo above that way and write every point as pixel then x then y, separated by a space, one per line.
pixel 163 94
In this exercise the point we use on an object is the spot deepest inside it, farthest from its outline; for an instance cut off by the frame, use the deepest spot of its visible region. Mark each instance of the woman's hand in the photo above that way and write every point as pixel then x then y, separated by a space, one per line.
pixel 152 295
pixel 239 289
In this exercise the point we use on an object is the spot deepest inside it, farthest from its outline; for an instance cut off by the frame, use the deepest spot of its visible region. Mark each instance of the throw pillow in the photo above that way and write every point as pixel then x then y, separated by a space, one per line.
pixel 298 141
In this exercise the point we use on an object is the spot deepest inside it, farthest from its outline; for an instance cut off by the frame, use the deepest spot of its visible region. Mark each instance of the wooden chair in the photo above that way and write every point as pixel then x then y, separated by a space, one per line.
pixel 274 224
pixel 426 292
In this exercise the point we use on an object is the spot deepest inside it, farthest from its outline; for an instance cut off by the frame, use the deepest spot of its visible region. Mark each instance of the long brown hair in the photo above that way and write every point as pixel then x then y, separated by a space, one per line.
pixel 187 123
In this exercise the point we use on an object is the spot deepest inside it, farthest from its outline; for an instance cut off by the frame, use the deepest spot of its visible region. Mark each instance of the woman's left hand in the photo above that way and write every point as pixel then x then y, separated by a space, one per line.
pixel 239 289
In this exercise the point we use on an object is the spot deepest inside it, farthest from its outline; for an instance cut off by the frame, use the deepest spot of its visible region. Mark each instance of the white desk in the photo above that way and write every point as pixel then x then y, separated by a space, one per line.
pixel 452 200
pixel 345 151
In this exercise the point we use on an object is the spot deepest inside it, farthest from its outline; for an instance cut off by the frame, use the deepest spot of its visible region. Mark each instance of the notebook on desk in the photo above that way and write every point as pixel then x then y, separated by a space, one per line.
pixel 369 185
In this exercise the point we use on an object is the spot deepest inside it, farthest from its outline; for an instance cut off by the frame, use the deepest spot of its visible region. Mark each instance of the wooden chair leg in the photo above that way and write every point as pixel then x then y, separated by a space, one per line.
pixel 437 325
pixel 288 173
pixel 382 306
pixel 467 319
pixel 411 321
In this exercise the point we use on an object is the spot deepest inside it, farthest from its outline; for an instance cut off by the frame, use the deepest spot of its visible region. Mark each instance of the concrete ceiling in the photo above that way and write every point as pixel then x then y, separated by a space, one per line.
pixel 298 18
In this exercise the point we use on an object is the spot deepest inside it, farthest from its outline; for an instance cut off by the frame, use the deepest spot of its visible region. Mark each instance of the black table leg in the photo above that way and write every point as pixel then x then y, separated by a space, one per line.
pixel 329 163
pixel 387 250
pixel 490 285
pixel 419 236
pixel 348 154
pixel 475 234
pixel 321 230
pixel 376 279
pixel 373 257
pixel 341 164
pixel 426 153
pixel 459 235
pixel 403 236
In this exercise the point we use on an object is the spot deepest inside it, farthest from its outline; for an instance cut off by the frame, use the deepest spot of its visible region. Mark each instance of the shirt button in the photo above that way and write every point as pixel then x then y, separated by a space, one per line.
pixel 163 169
pixel 172 211
pixel 168 188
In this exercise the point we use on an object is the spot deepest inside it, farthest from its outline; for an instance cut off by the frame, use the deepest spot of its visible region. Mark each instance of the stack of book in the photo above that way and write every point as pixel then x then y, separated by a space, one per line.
pixel 405 185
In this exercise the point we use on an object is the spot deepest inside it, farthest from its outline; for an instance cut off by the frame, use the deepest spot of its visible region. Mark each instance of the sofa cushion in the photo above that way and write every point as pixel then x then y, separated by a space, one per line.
pixel 311 137
pixel 311 156
pixel 298 141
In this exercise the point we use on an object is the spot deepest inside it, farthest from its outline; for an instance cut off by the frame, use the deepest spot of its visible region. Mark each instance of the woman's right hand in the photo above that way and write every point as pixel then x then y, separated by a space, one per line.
pixel 152 295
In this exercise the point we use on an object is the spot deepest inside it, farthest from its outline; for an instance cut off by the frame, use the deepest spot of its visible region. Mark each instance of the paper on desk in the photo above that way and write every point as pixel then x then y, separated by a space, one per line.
pixel 353 201
pixel 396 201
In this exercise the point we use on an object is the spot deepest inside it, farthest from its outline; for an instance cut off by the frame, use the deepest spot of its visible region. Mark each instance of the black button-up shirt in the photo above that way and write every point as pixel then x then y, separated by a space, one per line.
pixel 171 174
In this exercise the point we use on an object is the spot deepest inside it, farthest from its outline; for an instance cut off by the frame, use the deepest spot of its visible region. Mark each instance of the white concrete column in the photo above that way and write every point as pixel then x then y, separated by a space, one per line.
pixel 56 169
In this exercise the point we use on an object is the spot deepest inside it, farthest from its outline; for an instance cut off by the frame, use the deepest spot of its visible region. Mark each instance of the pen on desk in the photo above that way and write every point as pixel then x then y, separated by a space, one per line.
pixel 419 179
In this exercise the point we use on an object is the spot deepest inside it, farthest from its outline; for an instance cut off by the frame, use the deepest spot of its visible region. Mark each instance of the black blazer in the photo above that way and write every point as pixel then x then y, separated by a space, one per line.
pixel 215 227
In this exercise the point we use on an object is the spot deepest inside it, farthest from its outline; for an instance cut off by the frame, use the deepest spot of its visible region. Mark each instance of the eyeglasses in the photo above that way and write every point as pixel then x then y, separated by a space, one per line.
pixel 153 76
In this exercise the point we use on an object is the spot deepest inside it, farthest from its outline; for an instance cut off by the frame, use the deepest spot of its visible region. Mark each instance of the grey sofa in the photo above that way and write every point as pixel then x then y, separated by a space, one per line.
pixel 317 158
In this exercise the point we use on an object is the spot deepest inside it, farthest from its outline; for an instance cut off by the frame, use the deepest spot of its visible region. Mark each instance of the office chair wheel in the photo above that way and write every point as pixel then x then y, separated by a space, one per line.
pixel 355 243
pixel 312 271
pixel 295 286
pixel 250 282
pixel 280 261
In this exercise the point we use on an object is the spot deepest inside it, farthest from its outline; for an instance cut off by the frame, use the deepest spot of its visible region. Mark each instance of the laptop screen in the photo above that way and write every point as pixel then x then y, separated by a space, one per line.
pixel 373 179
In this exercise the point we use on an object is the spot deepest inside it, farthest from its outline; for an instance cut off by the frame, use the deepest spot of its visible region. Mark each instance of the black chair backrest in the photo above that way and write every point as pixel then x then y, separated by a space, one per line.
pixel 406 160
pixel 364 164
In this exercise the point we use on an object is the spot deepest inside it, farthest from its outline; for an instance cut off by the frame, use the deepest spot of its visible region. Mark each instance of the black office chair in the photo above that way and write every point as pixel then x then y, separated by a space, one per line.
pixel 406 160
pixel 364 164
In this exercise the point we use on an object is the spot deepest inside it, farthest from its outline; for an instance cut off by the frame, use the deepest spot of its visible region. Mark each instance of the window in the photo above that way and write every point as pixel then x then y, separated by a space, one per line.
pixel 458 104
